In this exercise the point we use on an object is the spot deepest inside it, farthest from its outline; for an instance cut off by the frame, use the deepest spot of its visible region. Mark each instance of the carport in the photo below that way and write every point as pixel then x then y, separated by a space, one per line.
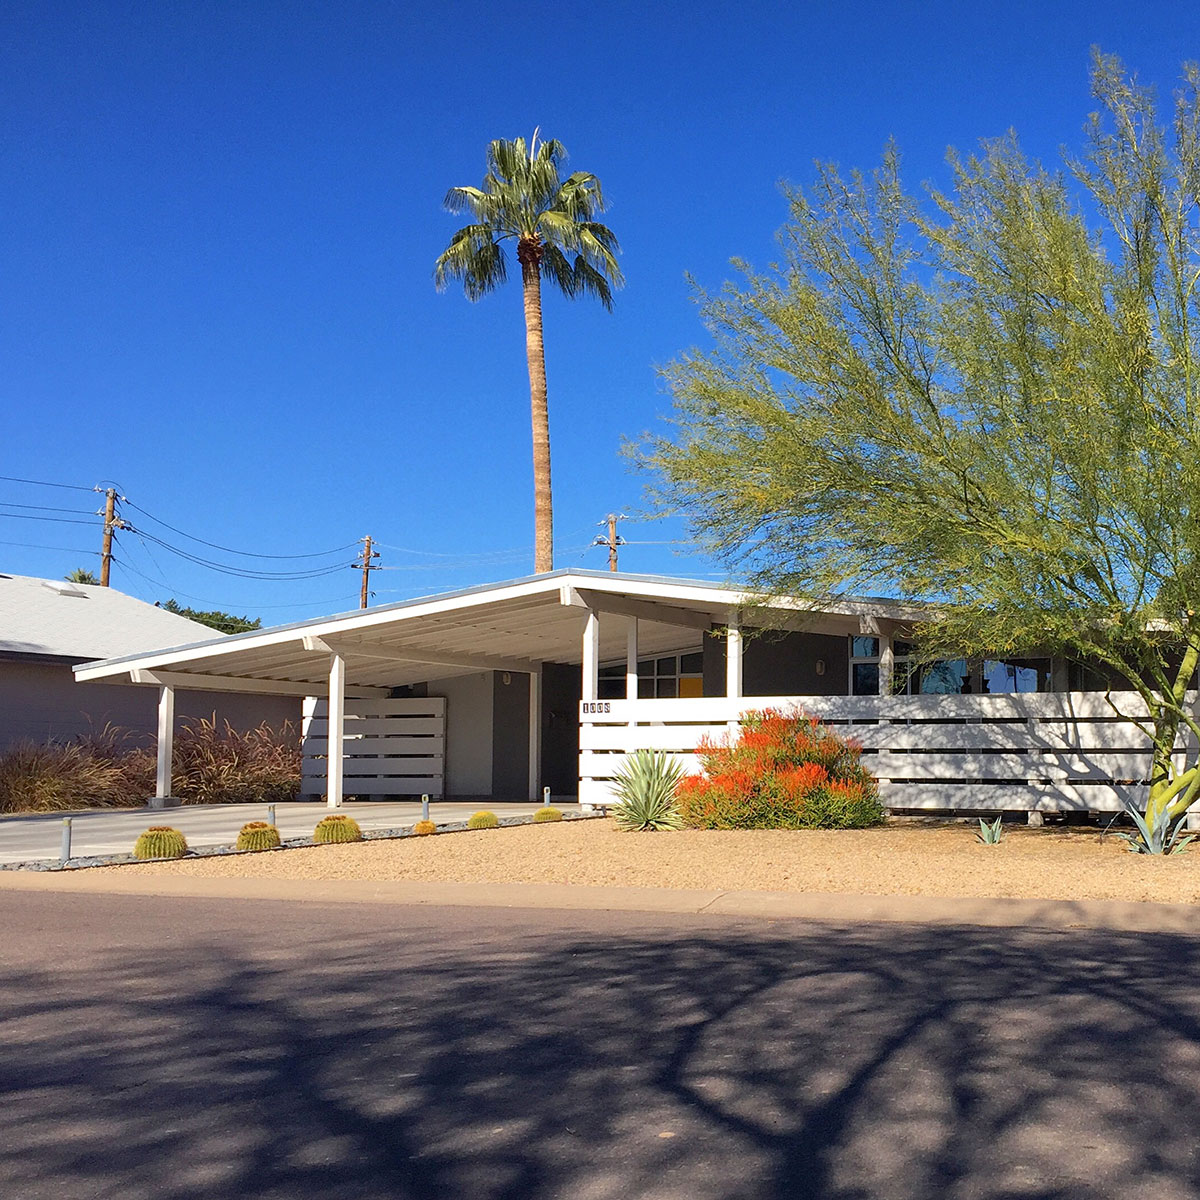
pixel 513 633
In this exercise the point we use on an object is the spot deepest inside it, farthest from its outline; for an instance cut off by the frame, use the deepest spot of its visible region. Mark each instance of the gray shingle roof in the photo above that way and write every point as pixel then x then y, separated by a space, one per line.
pixel 81 621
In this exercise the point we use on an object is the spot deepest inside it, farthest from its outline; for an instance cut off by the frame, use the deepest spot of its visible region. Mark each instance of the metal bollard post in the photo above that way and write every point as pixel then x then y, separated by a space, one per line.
pixel 64 854
pixel 425 808
pixel 270 814
pixel 545 795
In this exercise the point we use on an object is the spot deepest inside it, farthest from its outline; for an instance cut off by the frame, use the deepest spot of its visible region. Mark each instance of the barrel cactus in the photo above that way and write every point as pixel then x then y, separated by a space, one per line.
pixel 337 827
pixel 548 814
pixel 483 820
pixel 423 828
pixel 160 841
pixel 258 835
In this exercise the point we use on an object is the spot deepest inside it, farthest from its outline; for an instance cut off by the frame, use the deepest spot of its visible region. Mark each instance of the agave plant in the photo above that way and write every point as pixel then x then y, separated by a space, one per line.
pixel 990 832
pixel 645 787
pixel 1160 835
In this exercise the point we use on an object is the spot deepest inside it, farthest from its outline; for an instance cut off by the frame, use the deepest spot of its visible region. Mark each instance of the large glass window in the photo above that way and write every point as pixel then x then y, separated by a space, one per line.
pixel 665 678
pixel 1016 675
pixel 864 666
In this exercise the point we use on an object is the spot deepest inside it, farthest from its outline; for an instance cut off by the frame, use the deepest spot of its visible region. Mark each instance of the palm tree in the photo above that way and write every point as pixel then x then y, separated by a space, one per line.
pixel 550 220
pixel 82 575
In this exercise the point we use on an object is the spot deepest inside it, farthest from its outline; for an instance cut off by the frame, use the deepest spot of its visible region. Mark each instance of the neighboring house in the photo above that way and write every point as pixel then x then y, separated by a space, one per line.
pixel 550 681
pixel 48 626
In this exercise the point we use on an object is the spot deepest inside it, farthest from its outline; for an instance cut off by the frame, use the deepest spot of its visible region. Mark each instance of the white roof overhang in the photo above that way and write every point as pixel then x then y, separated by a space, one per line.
pixel 511 626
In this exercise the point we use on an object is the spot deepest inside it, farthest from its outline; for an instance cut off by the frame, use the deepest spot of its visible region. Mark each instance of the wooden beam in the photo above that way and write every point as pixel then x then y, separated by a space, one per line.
pixel 647 610
pixel 236 683
pixel 435 658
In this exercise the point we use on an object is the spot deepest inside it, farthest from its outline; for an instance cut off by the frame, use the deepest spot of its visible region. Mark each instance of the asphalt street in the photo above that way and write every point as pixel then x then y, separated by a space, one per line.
pixel 156 1048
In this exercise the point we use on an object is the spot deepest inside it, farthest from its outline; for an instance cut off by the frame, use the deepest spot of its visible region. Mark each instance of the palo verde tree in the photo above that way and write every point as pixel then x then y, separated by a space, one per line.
pixel 987 396
pixel 551 223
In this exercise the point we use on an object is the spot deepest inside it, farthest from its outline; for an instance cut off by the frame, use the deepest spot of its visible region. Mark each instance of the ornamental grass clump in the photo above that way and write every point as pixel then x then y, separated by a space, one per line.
pixel 258 835
pixel 645 788
pixel 337 827
pixel 160 841
pixel 483 820
pixel 547 814
pixel 784 770
pixel 424 828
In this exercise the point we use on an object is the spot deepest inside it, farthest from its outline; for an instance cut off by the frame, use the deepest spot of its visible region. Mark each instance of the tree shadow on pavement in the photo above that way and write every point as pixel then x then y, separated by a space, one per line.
pixel 211 1049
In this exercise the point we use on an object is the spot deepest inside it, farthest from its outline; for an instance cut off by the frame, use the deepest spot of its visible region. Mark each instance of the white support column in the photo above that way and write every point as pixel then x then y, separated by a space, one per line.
pixel 535 734
pixel 631 661
pixel 887 665
pixel 733 662
pixel 591 657
pixel 166 741
pixel 336 749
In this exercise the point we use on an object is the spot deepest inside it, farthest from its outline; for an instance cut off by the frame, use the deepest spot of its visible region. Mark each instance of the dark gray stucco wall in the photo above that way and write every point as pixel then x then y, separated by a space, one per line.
pixel 42 701
pixel 510 735
pixel 781 664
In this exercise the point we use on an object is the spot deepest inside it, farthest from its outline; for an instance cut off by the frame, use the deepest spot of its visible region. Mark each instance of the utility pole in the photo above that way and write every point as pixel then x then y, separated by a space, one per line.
pixel 366 566
pixel 613 540
pixel 111 523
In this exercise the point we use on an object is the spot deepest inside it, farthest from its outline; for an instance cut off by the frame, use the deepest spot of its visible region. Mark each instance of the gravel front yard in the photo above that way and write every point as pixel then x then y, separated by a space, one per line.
pixel 901 859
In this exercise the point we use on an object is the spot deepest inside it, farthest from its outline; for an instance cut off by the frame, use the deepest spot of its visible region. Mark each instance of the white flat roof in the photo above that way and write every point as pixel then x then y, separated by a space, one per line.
pixel 515 626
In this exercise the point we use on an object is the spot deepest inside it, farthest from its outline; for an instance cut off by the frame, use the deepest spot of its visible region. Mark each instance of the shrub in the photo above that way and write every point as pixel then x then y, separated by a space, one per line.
pixel 424 828
pixel 546 813
pixel 109 769
pixel 215 765
pixel 483 820
pixel 782 771
pixel 645 787
pixel 258 835
pixel 160 841
pixel 337 827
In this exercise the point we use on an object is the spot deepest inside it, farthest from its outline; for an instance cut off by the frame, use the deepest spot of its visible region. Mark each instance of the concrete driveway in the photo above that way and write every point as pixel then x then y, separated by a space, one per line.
pixel 113 831
pixel 156 1048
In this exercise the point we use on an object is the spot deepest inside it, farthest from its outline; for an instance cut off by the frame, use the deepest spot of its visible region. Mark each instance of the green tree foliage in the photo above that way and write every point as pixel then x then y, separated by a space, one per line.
pixel 225 622
pixel 986 396
pixel 551 223
pixel 80 575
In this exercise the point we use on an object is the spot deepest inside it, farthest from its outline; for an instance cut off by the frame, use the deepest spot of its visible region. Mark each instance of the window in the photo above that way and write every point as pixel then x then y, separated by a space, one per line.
pixel 864 666
pixel 1016 675
pixel 665 678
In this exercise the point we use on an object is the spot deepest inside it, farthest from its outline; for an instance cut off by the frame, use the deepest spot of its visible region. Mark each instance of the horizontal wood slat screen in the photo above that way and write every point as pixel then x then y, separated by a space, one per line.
pixel 392 748
pixel 1051 751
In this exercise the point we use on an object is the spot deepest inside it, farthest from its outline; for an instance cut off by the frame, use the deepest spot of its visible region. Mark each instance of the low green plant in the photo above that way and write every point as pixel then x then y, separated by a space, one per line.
pixel 546 813
pixel 258 835
pixel 990 832
pixel 1157 836
pixel 424 828
pixel 337 827
pixel 645 788
pixel 160 841
pixel 483 820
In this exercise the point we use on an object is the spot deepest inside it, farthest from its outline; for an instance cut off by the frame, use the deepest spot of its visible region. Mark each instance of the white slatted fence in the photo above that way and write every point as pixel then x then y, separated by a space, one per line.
pixel 392 748
pixel 1055 751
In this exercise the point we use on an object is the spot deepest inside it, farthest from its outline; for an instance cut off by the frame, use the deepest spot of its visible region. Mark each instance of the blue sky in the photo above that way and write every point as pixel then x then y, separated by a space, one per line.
pixel 218 223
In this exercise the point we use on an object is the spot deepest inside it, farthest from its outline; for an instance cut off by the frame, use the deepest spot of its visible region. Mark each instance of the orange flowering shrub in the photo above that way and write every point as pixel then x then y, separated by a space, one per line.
pixel 782 771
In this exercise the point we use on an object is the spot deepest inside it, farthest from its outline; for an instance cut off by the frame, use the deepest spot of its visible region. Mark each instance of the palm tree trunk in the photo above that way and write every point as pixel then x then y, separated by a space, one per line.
pixel 535 354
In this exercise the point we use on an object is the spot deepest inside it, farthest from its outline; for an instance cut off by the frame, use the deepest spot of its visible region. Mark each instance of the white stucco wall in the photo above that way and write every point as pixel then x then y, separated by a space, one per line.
pixel 468 733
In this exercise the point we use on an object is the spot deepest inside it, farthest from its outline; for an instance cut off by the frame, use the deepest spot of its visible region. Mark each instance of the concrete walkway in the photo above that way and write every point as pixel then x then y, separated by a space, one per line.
pixel 1129 916
pixel 114 830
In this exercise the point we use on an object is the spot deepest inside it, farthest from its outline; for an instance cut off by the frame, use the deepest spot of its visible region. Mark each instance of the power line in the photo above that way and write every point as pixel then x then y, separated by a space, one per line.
pixel 75 487
pixel 55 520
pixel 83 512
pixel 38 546
pixel 240 572
pixel 228 549
pixel 224 604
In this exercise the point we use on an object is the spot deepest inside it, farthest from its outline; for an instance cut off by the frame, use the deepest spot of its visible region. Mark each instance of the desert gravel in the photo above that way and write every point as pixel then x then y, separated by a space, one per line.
pixel 903 858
